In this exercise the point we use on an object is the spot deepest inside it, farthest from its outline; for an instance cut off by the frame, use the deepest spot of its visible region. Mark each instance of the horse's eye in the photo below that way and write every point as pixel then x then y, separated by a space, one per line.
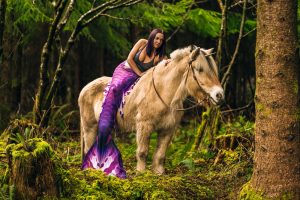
pixel 200 69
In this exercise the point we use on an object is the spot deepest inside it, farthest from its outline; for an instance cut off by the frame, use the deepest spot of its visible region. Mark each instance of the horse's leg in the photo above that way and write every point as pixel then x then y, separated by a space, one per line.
pixel 163 140
pixel 89 133
pixel 142 140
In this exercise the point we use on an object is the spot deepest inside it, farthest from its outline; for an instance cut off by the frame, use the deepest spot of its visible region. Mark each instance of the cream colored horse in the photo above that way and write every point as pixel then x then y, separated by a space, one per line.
pixel 154 102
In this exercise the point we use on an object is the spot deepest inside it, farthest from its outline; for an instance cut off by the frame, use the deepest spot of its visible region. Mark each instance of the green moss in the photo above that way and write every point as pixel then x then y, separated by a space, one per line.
pixel 2 156
pixel 288 196
pixel 248 193
pixel 205 181
pixel 264 111
pixel 295 87
pixel 258 80
pixel 298 114
pixel 35 147
pixel 2 147
pixel 94 184
pixel 42 148
pixel 259 107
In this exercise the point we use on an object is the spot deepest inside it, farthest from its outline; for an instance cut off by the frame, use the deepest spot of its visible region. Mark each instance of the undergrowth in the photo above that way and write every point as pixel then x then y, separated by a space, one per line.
pixel 214 171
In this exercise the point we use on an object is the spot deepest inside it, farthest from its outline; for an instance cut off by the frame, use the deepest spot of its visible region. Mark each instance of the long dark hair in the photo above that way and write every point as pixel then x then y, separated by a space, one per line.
pixel 161 51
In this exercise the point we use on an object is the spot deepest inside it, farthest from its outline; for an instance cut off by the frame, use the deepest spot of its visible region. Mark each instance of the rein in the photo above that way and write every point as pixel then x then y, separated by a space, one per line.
pixel 187 74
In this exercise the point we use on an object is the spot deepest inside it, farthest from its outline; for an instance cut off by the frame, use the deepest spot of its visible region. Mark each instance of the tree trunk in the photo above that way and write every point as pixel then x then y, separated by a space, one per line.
pixel 2 26
pixel 277 147
pixel 32 170
pixel 16 78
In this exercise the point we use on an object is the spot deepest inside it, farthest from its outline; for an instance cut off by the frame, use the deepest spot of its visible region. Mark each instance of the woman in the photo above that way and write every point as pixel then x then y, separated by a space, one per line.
pixel 145 54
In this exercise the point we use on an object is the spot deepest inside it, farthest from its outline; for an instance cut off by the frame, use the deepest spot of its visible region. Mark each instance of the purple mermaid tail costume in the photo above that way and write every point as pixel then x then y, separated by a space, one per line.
pixel 104 154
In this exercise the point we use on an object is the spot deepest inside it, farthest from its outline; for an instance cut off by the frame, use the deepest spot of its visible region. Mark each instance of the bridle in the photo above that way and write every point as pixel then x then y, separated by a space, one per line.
pixel 188 69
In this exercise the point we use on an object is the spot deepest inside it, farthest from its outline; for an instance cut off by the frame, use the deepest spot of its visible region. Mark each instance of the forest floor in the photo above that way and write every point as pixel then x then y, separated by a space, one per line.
pixel 202 174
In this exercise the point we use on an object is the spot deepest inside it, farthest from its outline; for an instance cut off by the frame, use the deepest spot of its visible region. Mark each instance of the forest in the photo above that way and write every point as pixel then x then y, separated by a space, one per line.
pixel 248 147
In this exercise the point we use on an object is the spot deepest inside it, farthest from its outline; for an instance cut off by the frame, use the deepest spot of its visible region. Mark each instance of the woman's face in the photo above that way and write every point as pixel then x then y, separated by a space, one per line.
pixel 158 40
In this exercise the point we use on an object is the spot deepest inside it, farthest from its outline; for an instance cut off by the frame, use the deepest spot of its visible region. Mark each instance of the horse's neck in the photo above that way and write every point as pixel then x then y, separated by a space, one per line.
pixel 171 82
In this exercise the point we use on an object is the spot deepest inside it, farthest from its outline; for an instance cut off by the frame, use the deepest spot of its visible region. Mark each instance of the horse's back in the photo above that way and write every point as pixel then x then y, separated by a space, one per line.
pixel 92 89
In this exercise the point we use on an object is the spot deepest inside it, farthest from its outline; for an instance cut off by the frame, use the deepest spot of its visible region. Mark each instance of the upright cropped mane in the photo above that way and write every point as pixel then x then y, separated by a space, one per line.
pixel 178 54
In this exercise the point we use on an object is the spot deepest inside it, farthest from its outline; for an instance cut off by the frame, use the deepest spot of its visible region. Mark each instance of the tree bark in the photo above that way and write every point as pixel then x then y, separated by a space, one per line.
pixel 277 147
pixel 38 108
pixel 16 78
pixel 2 27
pixel 223 31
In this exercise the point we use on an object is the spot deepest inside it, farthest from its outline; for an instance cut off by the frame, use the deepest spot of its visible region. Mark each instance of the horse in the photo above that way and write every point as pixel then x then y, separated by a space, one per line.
pixel 155 103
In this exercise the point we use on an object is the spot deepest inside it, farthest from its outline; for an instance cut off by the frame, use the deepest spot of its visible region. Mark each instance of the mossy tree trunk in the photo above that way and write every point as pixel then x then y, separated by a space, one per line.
pixel 32 170
pixel 277 147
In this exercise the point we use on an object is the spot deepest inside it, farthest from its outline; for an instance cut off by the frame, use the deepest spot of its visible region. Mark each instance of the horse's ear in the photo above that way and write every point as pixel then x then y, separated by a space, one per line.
pixel 195 54
pixel 209 51
pixel 192 47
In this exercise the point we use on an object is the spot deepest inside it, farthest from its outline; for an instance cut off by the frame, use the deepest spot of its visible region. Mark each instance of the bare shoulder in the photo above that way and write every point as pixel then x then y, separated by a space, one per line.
pixel 140 44
pixel 142 41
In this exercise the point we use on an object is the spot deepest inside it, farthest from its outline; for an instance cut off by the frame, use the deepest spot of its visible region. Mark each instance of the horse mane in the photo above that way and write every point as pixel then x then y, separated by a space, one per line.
pixel 178 54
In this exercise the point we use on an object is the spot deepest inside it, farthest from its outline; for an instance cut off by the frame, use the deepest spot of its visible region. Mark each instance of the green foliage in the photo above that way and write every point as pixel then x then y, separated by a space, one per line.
pixel 207 23
pixel 61 118
pixel 4 194
pixel 94 184
pixel 204 23
pixel 12 192
pixel 21 130
pixel 29 12
pixel 189 175
pixel 240 126
pixel 25 15
pixel 234 21
pixel 165 15
pixel 80 8
pixel 114 33
pixel 248 193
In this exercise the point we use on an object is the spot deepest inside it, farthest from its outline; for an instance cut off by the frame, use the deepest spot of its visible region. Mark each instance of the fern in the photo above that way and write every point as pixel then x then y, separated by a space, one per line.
pixel 165 15
pixel 26 12
pixel 204 23
pixel 24 15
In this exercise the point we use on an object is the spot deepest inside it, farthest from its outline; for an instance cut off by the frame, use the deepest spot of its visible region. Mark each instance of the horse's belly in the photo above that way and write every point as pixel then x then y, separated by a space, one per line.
pixel 126 124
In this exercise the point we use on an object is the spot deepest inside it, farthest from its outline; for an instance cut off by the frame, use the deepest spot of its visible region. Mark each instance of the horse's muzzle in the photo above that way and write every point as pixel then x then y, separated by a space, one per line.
pixel 220 98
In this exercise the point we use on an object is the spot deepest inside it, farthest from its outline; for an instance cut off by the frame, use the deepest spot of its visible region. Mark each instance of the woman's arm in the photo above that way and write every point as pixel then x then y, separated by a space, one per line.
pixel 134 50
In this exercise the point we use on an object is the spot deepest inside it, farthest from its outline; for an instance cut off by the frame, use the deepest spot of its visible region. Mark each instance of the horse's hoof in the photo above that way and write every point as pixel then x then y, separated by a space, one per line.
pixel 159 171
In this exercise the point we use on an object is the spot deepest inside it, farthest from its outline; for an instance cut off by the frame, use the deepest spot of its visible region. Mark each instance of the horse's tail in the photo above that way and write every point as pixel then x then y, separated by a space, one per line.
pixel 81 141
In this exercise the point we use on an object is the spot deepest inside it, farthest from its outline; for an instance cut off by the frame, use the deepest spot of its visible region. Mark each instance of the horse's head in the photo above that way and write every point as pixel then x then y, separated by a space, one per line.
pixel 201 78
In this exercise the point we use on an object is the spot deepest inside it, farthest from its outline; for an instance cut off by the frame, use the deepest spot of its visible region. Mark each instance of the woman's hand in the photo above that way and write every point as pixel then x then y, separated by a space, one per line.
pixel 167 61
pixel 141 74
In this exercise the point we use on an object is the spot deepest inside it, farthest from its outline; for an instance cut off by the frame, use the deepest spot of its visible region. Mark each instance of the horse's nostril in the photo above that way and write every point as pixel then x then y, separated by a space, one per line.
pixel 219 96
